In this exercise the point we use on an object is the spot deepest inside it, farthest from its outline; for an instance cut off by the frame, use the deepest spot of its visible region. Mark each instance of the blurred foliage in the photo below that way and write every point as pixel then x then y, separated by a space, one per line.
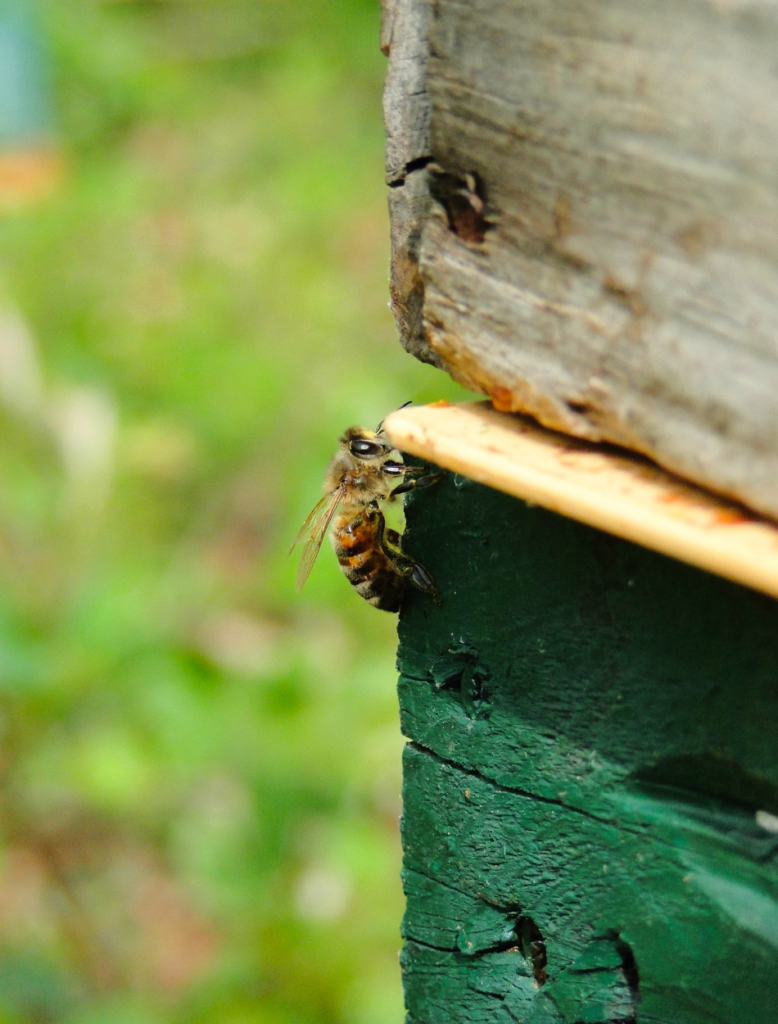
pixel 200 768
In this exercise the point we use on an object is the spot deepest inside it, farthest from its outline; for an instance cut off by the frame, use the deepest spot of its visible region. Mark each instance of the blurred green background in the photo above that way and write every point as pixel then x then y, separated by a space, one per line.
pixel 200 768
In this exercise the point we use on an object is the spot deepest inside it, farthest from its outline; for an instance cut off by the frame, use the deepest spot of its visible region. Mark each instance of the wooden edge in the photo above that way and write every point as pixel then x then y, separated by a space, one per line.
pixel 600 486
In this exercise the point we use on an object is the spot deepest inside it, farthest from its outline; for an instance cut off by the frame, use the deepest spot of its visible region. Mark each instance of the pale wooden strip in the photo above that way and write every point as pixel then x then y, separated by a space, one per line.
pixel 612 491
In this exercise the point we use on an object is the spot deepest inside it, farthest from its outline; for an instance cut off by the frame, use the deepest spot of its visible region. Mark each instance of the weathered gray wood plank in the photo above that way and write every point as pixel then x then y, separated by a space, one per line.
pixel 626 287
pixel 404 29
pixel 404 32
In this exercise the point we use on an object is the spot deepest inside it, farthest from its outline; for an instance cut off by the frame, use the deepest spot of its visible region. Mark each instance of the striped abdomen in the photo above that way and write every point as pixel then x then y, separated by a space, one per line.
pixel 359 544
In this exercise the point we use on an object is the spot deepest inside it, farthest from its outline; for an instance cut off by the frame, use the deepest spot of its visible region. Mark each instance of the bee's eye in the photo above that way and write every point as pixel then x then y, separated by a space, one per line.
pixel 393 468
pixel 365 449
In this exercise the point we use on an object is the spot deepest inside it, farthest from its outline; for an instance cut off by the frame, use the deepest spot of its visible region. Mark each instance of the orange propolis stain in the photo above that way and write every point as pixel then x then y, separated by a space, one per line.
pixel 502 398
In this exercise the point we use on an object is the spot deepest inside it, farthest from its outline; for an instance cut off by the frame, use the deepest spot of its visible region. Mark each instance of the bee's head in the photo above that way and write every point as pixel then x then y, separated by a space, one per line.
pixel 365 445
pixel 373 457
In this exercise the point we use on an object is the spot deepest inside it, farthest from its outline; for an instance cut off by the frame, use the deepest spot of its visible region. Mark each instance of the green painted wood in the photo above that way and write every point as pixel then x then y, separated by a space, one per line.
pixel 592 779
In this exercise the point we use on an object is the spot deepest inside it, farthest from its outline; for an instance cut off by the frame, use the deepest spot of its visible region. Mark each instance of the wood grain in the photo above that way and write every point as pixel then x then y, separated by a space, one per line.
pixel 597 485
pixel 627 286
pixel 404 40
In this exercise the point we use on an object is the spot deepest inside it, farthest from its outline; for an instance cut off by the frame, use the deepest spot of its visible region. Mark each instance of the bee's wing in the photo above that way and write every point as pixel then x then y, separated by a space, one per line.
pixel 315 529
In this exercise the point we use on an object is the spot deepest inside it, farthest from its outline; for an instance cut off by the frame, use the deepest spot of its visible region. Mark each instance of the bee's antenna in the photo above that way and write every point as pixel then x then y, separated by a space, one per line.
pixel 405 405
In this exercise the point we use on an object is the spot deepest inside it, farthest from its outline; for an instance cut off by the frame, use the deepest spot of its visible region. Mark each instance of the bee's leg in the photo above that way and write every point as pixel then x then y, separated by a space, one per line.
pixel 422 579
pixel 415 483
pixel 389 541
pixel 393 539
pixel 392 544
pixel 414 572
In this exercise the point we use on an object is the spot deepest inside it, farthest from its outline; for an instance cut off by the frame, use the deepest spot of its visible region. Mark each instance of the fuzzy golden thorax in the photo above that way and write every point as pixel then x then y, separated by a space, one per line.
pixel 365 468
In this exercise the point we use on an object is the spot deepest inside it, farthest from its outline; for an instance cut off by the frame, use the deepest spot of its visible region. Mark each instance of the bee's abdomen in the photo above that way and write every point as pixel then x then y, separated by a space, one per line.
pixel 357 542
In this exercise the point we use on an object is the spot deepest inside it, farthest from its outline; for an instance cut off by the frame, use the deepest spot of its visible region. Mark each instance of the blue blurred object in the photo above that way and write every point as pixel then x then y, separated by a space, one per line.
pixel 26 115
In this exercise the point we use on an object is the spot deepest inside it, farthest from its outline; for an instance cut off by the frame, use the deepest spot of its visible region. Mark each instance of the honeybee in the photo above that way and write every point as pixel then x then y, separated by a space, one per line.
pixel 365 472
